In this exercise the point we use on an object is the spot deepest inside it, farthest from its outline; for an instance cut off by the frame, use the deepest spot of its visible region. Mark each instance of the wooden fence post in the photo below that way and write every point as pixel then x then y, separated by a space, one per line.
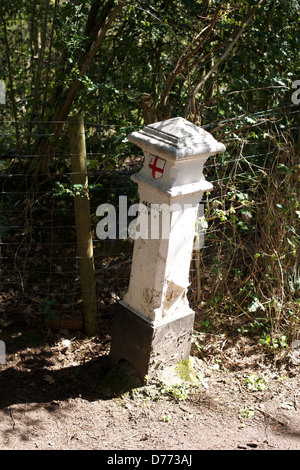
pixel 83 222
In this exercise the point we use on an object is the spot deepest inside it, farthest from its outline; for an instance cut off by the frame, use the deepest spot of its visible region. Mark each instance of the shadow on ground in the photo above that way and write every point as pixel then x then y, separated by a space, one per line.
pixel 92 380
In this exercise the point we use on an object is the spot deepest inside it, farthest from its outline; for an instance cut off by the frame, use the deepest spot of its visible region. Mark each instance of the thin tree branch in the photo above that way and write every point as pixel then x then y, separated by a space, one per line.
pixel 182 61
pixel 191 103
pixel 49 59
pixel 39 70
pixel 71 94
pixel 66 108
pixel 10 76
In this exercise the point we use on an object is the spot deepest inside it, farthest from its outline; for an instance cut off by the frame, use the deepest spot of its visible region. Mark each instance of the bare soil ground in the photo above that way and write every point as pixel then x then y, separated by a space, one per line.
pixel 57 392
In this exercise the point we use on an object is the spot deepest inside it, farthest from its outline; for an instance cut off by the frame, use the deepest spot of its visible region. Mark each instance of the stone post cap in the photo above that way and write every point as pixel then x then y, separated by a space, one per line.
pixel 176 139
pixel 175 152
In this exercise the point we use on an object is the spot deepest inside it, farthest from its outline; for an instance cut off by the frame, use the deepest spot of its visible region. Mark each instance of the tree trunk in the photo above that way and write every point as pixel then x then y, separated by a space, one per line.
pixel 83 223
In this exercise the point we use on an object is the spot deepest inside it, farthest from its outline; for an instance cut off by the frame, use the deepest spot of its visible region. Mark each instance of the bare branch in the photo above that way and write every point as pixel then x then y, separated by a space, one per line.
pixel 182 60
pixel 191 103
pixel 71 94
pixel 10 77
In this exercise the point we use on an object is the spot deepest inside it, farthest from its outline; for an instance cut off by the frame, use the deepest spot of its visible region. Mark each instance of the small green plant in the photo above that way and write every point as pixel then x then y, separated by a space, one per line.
pixel 255 383
pixel 166 418
pixel 63 189
pixel 273 343
pixel 246 413
pixel 72 190
pixel 197 344
pixel 253 327
pixel 177 391
pixel 205 326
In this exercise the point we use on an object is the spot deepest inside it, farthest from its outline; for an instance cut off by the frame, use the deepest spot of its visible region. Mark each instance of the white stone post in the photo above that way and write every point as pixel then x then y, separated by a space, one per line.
pixel 154 322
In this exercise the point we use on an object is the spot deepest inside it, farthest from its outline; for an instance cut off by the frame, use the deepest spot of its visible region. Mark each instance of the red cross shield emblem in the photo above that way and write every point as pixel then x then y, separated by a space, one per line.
pixel 157 166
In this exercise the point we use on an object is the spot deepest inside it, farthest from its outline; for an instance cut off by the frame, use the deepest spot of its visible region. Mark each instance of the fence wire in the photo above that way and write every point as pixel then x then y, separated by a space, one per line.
pixel 39 264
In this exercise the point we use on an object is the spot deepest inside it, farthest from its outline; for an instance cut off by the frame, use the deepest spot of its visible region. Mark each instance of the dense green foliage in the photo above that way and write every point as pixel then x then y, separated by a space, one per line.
pixel 45 45
pixel 228 66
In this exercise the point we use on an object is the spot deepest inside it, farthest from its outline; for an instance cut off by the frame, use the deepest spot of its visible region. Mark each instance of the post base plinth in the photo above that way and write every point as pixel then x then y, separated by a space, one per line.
pixel 149 348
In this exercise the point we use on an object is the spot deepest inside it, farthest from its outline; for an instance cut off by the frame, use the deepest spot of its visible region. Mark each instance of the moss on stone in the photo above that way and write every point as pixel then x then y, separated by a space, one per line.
pixel 186 372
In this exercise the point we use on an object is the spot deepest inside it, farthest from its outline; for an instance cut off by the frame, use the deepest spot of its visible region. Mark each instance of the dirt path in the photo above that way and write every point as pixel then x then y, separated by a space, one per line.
pixel 57 396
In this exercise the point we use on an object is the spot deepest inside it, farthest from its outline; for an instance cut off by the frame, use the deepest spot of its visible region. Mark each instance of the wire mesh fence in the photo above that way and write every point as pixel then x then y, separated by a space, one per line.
pixel 249 233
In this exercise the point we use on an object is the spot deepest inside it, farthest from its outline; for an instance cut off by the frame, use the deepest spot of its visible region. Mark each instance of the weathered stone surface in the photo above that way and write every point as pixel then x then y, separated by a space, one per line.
pixel 146 347
pixel 176 138
pixel 154 322
pixel 171 185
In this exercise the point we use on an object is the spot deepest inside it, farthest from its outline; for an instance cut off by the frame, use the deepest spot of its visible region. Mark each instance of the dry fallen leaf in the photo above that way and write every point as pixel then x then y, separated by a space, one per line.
pixel 49 379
